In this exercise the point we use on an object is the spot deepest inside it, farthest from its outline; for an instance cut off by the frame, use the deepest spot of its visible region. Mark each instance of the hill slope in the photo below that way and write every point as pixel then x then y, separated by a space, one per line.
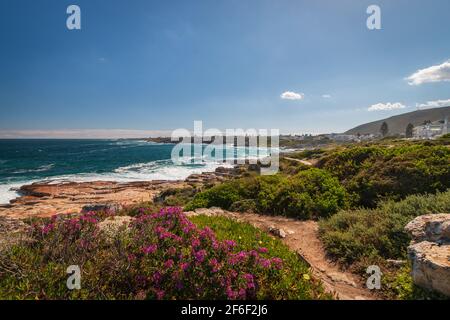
pixel 397 124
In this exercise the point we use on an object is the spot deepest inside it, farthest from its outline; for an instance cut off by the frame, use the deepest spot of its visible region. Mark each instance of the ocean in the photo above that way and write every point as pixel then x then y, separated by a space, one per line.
pixel 27 161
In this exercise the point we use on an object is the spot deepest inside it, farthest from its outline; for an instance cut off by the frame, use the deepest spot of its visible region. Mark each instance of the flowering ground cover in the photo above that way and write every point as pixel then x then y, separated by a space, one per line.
pixel 162 255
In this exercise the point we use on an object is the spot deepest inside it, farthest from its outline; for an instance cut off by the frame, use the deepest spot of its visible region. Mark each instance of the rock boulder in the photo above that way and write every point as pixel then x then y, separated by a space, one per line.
pixel 429 251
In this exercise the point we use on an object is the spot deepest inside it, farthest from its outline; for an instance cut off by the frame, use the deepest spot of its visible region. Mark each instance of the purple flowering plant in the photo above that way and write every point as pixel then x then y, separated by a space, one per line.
pixel 162 255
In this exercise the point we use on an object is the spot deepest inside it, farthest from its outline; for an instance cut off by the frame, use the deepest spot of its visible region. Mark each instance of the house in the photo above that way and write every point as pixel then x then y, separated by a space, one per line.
pixel 431 130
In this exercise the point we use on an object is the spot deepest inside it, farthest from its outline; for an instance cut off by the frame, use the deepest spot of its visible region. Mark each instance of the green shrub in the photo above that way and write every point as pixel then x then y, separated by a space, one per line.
pixel 246 205
pixel 372 174
pixel 223 195
pixel 258 188
pixel 350 236
pixel 398 284
pixel 175 197
pixel 311 193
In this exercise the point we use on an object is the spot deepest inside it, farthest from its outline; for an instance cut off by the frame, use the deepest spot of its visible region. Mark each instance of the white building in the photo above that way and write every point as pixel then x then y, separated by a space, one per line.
pixel 432 130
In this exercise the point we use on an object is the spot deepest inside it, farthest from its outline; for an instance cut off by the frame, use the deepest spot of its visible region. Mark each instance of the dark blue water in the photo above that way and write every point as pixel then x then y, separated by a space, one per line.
pixel 25 161
pixel 34 159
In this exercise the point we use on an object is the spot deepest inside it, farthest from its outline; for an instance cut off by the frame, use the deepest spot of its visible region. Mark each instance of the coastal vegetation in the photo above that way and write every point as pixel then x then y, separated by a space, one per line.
pixel 161 255
pixel 309 194
pixel 362 196
pixel 359 235
pixel 375 173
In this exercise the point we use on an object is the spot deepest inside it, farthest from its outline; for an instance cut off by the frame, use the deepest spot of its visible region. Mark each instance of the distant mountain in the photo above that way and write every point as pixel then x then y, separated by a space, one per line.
pixel 398 124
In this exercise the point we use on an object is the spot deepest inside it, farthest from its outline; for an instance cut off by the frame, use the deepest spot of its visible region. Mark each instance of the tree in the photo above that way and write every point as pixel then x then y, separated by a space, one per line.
pixel 384 129
pixel 409 130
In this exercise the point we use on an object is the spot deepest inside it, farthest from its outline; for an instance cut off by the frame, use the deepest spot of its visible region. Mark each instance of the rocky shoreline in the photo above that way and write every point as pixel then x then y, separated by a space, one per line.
pixel 44 199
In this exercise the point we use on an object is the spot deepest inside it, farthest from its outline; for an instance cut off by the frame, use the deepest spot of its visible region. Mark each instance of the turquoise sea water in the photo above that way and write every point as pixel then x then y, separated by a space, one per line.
pixel 26 161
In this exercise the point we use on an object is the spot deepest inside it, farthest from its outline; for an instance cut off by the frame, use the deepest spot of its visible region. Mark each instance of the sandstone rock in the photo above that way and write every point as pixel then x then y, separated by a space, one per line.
pixel 429 251
pixel 432 227
pixel 210 212
pixel 431 266
pixel 45 199
pixel 277 232
pixel 112 225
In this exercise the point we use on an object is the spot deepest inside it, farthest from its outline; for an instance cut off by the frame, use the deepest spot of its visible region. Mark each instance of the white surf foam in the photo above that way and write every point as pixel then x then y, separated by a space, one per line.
pixel 154 170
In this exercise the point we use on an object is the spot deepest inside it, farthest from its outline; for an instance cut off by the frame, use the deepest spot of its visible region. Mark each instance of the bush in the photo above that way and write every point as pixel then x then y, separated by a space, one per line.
pixel 261 189
pixel 373 174
pixel 310 193
pixel 350 236
pixel 223 195
pixel 246 205
pixel 175 197
pixel 156 256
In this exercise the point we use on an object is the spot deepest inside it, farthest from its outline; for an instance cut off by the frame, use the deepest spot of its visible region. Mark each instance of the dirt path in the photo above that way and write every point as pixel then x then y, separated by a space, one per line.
pixel 302 237
pixel 305 162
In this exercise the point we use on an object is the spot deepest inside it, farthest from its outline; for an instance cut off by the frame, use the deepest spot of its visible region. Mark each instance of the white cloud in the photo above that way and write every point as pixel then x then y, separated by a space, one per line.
pixel 386 106
pixel 326 96
pixel 434 104
pixel 432 74
pixel 289 95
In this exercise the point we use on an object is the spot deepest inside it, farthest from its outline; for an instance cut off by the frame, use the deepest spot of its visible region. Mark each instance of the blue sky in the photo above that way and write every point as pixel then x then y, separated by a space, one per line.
pixel 160 65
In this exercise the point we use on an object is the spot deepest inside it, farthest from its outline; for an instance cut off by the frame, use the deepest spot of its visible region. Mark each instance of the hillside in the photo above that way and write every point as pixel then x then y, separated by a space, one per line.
pixel 397 124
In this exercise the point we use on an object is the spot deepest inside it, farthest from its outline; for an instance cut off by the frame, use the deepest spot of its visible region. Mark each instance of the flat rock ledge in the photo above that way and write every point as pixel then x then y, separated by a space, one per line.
pixel 429 252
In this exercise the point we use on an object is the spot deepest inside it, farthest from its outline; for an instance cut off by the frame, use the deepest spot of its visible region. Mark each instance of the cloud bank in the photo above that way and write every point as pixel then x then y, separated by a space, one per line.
pixel 386 106
pixel 289 95
pixel 437 73
pixel 434 104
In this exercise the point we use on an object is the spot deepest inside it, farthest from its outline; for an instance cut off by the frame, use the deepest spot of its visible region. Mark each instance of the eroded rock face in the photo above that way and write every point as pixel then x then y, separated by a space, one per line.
pixel 111 226
pixel 46 198
pixel 432 227
pixel 429 251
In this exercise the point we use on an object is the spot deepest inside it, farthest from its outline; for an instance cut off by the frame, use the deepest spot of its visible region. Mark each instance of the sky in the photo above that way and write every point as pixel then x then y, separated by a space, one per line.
pixel 145 67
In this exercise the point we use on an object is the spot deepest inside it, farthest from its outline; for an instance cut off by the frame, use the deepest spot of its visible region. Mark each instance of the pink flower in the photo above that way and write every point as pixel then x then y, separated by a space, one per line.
pixel 168 264
pixel 47 228
pixel 184 266
pixel 231 294
pixel 160 294
pixel 157 277
pixel 277 262
pixel 263 250
pixel 150 249
pixel 172 251
pixel 195 243
pixel 250 281
pixel 200 255
pixel 265 263
pixel 214 264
